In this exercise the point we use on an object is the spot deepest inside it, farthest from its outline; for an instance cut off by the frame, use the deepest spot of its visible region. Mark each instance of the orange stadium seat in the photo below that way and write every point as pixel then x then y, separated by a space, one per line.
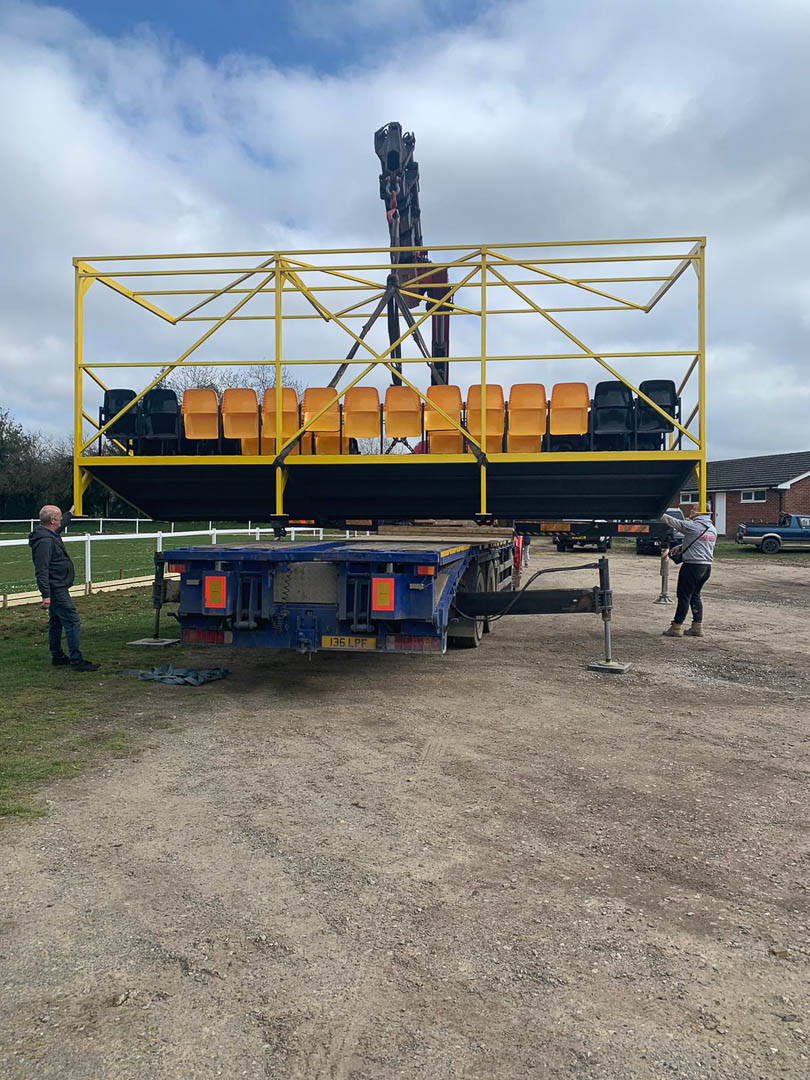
pixel 568 415
pixel 527 418
pixel 200 411
pixel 403 414
pixel 289 418
pixel 495 416
pixel 324 435
pixel 361 413
pixel 240 418
pixel 443 439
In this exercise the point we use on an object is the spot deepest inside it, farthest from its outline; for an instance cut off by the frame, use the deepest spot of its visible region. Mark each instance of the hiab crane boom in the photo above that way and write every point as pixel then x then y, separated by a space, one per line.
pixel 399 190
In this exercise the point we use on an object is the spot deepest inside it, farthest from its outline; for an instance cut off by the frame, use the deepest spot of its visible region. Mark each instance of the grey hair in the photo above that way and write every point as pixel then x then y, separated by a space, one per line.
pixel 46 514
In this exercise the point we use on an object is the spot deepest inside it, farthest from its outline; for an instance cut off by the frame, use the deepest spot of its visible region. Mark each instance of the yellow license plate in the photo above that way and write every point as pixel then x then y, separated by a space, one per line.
pixel 330 641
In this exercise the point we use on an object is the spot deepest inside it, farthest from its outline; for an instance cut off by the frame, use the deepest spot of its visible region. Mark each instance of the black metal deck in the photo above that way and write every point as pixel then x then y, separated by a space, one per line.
pixel 626 488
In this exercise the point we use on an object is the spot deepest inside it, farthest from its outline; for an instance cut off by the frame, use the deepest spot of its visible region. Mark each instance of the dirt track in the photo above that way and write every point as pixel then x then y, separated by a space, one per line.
pixel 490 865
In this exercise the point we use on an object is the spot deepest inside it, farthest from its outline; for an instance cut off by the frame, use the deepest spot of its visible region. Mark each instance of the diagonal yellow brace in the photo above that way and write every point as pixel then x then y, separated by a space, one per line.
pixel 567 281
pixel 111 283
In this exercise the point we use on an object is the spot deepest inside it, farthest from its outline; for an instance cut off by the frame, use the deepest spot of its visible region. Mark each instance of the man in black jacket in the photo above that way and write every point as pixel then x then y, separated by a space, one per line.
pixel 55 573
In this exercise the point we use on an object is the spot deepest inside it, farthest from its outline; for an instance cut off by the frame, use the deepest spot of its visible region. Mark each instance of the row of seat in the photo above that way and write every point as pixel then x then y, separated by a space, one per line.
pixel 526 423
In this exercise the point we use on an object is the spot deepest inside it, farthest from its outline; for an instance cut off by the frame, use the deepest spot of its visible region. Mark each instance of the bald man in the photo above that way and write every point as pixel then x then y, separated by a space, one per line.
pixel 55 573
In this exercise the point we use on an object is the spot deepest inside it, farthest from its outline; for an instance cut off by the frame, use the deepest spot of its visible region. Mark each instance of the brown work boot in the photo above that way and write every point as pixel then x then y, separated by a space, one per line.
pixel 695 630
pixel 673 630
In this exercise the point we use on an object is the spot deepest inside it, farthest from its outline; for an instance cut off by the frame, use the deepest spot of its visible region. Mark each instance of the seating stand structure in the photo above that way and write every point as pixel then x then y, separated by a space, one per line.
pixel 472 462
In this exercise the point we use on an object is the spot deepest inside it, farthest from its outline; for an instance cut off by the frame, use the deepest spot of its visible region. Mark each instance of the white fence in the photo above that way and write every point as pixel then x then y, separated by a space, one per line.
pixel 31 522
pixel 89 539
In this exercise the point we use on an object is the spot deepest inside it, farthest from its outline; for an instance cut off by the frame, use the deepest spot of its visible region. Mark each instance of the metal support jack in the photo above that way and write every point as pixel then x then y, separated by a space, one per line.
pixel 156 641
pixel 607 666
pixel 664 597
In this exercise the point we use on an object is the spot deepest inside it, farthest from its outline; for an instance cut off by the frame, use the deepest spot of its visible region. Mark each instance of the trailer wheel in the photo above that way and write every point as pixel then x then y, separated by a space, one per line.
pixel 467 633
pixel 491 587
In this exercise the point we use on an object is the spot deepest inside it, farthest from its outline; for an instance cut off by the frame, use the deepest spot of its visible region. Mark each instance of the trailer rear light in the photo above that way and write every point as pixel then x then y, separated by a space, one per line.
pixel 204 637
pixel 216 592
pixel 177 567
pixel 382 594
pixel 426 571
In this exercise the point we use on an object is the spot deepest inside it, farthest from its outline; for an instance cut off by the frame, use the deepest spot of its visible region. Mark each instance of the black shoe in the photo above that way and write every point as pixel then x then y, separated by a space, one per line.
pixel 60 661
pixel 83 665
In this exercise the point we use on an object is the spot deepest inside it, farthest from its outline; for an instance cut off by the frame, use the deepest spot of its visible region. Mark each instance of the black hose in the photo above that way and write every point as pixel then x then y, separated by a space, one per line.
pixel 519 593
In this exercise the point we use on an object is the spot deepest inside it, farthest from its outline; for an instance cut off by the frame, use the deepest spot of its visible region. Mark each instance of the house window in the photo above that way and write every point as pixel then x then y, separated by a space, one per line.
pixel 760 495
pixel 689 497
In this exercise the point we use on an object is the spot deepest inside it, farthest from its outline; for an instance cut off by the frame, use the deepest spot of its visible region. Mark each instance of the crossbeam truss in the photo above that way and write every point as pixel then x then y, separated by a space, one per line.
pixel 597 275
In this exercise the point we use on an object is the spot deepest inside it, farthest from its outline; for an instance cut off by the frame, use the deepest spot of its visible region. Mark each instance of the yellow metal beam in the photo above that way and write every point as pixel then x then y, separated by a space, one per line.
pixel 509 246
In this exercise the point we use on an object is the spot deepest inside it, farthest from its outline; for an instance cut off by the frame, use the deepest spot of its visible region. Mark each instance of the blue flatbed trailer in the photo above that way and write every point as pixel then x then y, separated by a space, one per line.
pixel 382 593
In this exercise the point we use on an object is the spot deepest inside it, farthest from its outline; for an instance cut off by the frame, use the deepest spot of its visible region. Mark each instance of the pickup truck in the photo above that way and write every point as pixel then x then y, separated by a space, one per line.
pixel 793 530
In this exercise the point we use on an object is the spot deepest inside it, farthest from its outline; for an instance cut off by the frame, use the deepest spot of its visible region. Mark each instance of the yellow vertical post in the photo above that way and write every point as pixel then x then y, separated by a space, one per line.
pixel 277 368
pixel 79 289
pixel 483 467
pixel 702 375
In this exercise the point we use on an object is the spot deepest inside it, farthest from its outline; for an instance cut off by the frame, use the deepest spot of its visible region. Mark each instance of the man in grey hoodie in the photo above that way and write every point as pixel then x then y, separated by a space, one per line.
pixel 699 537
pixel 55 574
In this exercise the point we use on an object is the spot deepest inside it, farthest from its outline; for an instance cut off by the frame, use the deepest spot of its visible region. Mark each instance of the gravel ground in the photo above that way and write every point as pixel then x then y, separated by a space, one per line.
pixel 494 864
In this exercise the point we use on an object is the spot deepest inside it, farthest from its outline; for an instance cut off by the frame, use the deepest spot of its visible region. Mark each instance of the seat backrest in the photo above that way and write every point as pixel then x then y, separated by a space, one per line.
pixel 240 413
pixel 289 412
pixel 527 409
pixel 361 412
pixel 612 394
pixel 114 401
pixel 315 397
pixel 662 392
pixel 495 412
pixel 403 413
pixel 568 414
pixel 447 398
pixel 200 411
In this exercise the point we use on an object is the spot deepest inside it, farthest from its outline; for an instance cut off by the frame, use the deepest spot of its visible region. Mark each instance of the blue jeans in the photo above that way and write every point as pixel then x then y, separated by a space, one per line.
pixel 62 615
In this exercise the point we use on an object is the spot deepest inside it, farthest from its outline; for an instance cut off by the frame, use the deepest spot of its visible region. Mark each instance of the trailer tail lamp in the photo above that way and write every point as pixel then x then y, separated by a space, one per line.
pixel 382 594
pixel 216 592
pixel 176 567
pixel 426 571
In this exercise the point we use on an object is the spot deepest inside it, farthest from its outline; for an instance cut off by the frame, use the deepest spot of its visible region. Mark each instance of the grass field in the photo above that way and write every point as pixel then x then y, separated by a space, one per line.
pixel 53 720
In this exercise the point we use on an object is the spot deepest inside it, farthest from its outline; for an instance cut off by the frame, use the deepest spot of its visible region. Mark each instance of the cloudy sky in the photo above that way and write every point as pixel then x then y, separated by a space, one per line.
pixel 194 126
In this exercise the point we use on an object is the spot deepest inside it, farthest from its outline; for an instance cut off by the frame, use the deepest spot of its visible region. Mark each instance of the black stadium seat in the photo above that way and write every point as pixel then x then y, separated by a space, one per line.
pixel 126 428
pixel 651 427
pixel 159 422
pixel 612 416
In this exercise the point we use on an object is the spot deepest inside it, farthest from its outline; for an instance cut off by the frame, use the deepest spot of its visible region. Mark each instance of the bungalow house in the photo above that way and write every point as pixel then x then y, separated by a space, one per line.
pixel 754 489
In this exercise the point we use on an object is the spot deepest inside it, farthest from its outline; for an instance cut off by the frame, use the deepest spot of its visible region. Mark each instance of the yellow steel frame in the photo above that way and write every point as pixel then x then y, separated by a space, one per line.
pixel 314 274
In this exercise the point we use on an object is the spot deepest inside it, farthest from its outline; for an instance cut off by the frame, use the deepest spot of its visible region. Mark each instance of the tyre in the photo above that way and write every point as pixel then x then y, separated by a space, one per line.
pixel 770 545
pixel 467 633
pixel 490 579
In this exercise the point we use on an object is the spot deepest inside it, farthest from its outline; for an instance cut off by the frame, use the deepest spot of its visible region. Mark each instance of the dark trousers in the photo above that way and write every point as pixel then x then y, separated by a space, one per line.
pixel 62 615
pixel 691 579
